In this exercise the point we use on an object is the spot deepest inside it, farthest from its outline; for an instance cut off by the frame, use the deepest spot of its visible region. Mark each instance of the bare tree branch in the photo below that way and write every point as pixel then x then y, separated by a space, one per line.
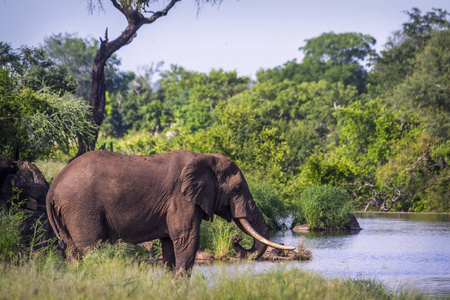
pixel 161 13
pixel 419 159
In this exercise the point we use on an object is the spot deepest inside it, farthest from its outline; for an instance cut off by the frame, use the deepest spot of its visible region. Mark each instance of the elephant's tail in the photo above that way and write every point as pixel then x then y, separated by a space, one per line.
pixel 57 223
pixel 55 220
pixel 51 214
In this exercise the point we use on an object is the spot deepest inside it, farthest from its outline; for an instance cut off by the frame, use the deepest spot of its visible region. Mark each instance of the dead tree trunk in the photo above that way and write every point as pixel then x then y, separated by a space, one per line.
pixel 135 19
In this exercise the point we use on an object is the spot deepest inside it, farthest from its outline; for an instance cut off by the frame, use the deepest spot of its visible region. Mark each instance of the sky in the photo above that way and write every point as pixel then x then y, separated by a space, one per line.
pixel 241 36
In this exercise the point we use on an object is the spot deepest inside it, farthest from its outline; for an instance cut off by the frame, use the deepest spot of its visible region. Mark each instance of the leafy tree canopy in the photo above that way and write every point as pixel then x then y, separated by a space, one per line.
pixel 397 60
pixel 33 69
pixel 338 49
pixel 330 57
pixel 77 56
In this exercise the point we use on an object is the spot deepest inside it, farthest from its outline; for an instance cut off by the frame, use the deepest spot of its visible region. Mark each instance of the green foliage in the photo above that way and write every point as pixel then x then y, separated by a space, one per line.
pixel 10 234
pixel 139 143
pixel 321 169
pixel 34 70
pixel 301 124
pixel 426 93
pixel 438 193
pixel 397 61
pixel 269 203
pixel 51 167
pixel 191 97
pixel 77 56
pixel 338 49
pixel 330 57
pixel 324 207
pixel 304 112
pixel 367 132
pixel 35 123
pixel 216 237
pixel 17 242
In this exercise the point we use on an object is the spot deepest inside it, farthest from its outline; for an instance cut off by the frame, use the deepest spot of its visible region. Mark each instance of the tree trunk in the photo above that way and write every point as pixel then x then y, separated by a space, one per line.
pixel 135 20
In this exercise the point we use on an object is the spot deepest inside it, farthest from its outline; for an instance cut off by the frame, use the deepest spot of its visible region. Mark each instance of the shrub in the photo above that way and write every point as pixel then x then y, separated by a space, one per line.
pixel 269 202
pixel 35 123
pixel 10 234
pixel 325 207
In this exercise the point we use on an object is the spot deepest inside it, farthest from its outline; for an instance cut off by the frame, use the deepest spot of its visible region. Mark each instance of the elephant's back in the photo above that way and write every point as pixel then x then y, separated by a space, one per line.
pixel 111 172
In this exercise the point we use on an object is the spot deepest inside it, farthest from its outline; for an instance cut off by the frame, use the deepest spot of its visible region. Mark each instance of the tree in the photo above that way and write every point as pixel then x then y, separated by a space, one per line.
pixel 303 112
pixel 137 14
pixel 331 57
pixel 190 98
pixel 77 56
pixel 426 92
pixel 33 69
pixel 397 60
pixel 338 49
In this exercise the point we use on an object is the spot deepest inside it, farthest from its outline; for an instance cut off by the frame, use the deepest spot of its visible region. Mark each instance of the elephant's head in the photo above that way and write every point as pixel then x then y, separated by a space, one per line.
pixel 216 184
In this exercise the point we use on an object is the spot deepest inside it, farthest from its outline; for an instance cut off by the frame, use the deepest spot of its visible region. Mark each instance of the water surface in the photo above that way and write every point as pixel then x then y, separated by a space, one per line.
pixel 408 250
pixel 399 249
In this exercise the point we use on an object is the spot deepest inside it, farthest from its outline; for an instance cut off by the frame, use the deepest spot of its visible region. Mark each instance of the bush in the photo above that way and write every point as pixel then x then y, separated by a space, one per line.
pixel 10 235
pixel 325 207
pixel 269 202
pixel 35 123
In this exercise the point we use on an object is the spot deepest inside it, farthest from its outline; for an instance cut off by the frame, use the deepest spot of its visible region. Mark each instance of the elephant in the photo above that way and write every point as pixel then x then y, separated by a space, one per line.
pixel 104 196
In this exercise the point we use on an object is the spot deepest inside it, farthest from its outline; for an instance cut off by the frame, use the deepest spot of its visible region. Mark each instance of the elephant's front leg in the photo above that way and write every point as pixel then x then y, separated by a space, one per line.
pixel 184 230
pixel 168 253
pixel 185 247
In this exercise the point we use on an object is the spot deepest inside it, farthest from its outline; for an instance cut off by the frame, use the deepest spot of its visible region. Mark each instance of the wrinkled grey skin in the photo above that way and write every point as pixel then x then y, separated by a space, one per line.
pixel 106 196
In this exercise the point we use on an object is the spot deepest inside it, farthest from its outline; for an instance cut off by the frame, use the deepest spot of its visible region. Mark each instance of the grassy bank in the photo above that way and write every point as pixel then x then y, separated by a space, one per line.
pixel 111 273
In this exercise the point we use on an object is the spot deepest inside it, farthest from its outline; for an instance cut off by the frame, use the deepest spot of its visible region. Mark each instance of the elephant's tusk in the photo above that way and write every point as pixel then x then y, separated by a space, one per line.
pixel 251 231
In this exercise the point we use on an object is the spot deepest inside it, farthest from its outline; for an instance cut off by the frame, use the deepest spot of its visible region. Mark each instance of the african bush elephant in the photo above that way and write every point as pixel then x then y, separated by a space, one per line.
pixel 106 196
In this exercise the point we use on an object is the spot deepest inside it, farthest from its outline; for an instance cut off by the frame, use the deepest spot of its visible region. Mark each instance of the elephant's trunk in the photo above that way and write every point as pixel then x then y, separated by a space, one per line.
pixel 258 248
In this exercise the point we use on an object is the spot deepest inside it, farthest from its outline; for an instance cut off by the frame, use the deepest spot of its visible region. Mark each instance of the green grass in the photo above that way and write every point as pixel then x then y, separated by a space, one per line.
pixel 10 235
pixel 51 167
pixel 325 207
pixel 216 237
pixel 110 273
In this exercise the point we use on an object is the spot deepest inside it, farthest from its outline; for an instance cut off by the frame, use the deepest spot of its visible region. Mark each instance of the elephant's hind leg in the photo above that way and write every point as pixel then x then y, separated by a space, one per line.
pixel 86 231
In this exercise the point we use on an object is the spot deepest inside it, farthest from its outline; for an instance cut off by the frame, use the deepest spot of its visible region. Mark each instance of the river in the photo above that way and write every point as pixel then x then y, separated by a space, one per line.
pixel 407 250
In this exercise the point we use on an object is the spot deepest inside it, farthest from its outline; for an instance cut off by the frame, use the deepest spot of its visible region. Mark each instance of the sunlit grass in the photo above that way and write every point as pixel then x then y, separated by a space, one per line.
pixel 111 273
pixel 51 167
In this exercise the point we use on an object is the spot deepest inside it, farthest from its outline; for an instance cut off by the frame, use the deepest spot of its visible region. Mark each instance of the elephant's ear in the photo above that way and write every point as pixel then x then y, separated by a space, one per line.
pixel 199 183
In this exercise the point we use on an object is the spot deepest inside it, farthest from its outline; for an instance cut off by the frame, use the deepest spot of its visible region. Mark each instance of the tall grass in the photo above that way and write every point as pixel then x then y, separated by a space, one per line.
pixel 105 275
pixel 216 237
pixel 10 235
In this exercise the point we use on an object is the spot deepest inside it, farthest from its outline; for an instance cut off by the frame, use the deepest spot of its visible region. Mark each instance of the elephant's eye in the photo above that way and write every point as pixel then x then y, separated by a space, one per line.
pixel 237 190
